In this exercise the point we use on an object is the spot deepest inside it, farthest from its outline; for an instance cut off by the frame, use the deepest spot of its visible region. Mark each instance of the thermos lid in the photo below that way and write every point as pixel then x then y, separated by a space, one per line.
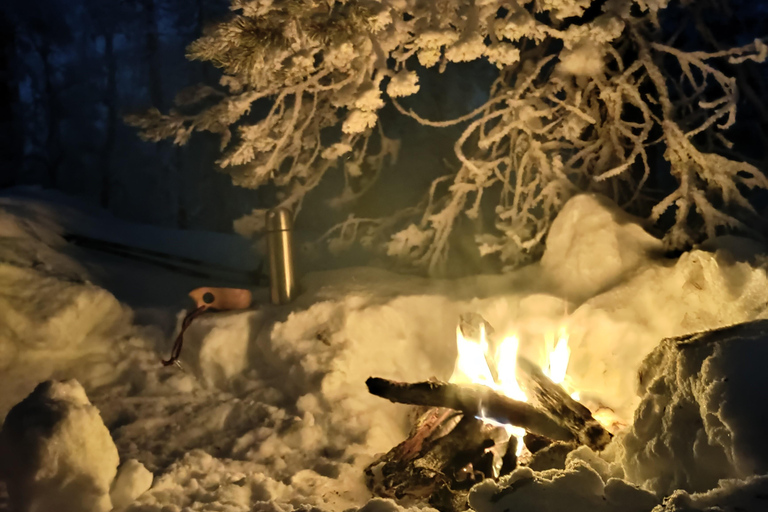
pixel 279 219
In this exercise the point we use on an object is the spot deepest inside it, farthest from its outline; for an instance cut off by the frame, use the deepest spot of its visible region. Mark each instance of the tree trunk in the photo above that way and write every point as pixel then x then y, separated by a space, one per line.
pixel 11 127
pixel 110 101
pixel 53 137
pixel 151 42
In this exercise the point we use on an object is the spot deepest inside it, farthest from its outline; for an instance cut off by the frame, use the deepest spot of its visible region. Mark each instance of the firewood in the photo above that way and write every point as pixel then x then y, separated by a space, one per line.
pixel 445 466
pixel 475 401
pixel 509 459
pixel 551 397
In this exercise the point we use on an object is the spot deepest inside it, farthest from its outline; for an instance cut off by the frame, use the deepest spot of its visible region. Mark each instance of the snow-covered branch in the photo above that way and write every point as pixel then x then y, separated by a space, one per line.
pixel 584 94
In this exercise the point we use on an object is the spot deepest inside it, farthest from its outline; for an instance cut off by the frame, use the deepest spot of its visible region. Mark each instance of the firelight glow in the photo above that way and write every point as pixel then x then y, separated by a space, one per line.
pixel 472 368
pixel 558 357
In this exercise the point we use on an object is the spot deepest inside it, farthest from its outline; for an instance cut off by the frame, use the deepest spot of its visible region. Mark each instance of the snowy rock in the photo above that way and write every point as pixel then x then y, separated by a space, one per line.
pixel 592 245
pixel 56 453
pixel 703 413
pixel 132 480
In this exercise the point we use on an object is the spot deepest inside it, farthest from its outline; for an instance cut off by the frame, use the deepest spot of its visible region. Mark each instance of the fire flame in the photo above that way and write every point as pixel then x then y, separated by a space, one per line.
pixel 475 356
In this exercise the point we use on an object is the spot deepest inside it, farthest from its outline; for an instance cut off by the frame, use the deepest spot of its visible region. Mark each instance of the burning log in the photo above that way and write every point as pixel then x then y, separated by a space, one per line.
pixel 553 398
pixel 473 401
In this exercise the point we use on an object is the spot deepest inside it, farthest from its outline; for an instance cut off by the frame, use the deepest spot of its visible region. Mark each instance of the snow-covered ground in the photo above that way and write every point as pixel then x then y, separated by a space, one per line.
pixel 270 409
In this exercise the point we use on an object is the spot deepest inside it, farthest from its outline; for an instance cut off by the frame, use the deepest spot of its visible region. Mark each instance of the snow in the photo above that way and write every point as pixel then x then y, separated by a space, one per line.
pixel 132 480
pixel 269 410
pixel 56 452
pixel 748 495
pixel 577 487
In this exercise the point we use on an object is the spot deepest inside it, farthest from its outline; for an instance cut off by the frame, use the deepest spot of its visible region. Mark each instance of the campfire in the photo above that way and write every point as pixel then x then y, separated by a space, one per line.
pixel 497 411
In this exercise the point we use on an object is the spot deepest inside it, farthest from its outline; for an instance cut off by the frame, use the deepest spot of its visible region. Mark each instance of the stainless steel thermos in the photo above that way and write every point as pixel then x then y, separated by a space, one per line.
pixel 282 278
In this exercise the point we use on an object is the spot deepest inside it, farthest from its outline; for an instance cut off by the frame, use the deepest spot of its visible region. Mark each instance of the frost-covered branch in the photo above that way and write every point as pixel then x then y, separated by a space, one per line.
pixel 586 92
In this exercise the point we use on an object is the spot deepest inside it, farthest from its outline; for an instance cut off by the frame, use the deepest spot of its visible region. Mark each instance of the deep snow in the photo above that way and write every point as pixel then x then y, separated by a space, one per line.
pixel 270 410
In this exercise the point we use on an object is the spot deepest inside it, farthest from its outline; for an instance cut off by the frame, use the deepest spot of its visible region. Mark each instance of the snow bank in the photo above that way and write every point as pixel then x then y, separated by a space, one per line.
pixel 56 453
pixel 270 410
pixel 300 414
pixel 703 413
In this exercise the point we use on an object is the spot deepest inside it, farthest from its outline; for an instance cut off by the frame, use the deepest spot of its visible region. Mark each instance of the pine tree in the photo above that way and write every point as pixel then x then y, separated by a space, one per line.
pixel 589 96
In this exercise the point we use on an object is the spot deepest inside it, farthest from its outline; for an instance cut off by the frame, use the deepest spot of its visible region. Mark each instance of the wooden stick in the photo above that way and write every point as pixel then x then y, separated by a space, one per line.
pixel 553 398
pixel 479 401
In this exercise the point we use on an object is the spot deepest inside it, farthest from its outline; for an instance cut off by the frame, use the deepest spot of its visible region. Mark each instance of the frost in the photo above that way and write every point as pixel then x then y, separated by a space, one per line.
pixel 466 50
pixel 502 54
pixel 586 59
pixel 336 151
pixel 369 99
pixel 404 83
pixel 359 121
pixel 405 242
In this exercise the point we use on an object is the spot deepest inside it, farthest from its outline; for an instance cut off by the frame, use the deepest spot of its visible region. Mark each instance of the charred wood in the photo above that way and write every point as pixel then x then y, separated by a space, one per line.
pixel 509 459
pixel 534 443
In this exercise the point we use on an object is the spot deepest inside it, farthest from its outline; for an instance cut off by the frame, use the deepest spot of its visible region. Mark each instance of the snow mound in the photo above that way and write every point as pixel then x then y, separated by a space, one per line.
pixel 749 495
pixel 47 302
pixel 56 453
pixel 578 488
pixel 592 245
pixel 38 312
pixel 703 413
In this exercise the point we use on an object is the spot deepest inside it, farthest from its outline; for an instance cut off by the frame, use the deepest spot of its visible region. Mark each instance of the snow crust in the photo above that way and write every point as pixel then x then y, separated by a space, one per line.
pixel 270 412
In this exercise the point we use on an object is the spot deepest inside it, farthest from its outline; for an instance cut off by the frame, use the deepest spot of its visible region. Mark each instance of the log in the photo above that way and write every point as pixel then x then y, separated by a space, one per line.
pixel 551 397
pixel 475 401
